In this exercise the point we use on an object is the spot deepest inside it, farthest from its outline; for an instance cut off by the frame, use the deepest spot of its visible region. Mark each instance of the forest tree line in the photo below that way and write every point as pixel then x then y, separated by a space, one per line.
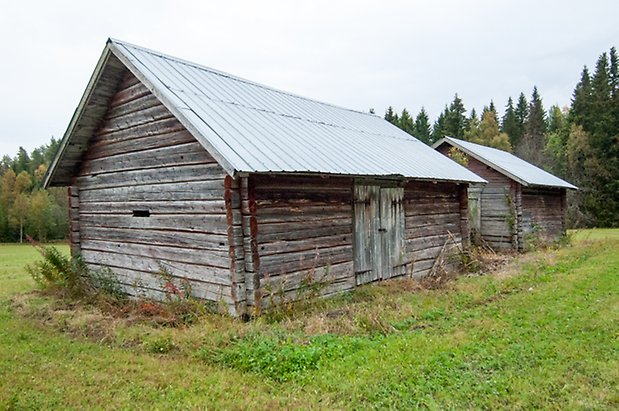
pixel 579 142
pixel 25 207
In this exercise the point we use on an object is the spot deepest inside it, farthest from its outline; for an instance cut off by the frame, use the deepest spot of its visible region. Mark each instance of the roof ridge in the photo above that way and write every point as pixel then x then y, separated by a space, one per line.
pixel 233 77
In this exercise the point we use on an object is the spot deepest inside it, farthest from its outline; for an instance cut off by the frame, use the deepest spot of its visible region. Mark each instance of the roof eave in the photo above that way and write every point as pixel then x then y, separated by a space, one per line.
pixel 352 175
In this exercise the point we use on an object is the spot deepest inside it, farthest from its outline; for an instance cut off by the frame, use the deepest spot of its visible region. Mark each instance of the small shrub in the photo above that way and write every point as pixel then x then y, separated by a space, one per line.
pixel 57 270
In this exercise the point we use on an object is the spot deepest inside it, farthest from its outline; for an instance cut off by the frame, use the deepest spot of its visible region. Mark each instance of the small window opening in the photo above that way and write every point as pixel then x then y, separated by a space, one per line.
pixel 141 213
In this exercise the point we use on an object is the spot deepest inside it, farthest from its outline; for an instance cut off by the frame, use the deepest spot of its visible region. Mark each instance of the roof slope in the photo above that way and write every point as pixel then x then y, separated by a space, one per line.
pixel 252 128
pixel 508 164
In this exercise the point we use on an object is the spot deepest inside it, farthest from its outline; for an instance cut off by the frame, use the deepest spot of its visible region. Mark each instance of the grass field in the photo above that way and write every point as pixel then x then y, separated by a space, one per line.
pixel 541 333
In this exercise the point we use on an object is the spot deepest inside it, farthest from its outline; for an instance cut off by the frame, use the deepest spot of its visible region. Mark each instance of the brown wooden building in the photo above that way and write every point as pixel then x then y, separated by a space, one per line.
pixel 250 193
pixel 520 205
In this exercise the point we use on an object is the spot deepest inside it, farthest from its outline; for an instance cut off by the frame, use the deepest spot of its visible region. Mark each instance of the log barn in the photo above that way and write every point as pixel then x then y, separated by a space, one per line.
pixel 521 205
pixel 247 193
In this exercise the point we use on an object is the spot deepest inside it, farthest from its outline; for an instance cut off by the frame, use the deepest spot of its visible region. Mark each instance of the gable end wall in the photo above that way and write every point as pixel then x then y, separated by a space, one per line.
pixel 498 203
pixel 142 159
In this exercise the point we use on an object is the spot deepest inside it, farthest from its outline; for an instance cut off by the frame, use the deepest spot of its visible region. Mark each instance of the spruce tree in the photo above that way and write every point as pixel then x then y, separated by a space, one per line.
pixel 406 122
pixel 556 119
pixel 389 116
pixel 509 123
pixel 438 129
pixel 455 118
pixel 522 114
pixel 422 127
pixel 531 148
pixel 556 139
pixel 601 99
pixel 614 71
pixel 492 109
pixel 581 100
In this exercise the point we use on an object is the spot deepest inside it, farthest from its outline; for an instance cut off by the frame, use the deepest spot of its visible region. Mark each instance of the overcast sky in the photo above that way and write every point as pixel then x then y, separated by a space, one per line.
pixel 357 54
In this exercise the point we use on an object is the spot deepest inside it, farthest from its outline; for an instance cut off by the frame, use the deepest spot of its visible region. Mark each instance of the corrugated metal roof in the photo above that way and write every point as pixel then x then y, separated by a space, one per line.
pixel 253 128
pixel 508 164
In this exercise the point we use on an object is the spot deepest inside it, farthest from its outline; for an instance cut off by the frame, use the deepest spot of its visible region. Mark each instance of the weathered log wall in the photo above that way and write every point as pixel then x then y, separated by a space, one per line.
pixel 150 196
pixel 303 236
pixel 498 225
pixel 543 213
pixel 436 214
pixel 304 233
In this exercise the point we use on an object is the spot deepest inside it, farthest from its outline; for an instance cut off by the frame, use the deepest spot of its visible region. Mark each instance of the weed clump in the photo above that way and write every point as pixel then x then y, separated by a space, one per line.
pixel 70 279
pixel 280 359
pixel 59 272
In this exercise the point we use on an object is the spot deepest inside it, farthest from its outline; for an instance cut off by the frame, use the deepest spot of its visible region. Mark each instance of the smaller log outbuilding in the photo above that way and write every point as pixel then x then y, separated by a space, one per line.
pixel 520 204
pixel 249 194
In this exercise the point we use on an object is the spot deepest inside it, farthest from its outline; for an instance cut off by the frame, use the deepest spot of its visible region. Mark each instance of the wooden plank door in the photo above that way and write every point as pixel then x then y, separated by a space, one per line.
pixel 366 221
pixel 378 248
pixel 391 232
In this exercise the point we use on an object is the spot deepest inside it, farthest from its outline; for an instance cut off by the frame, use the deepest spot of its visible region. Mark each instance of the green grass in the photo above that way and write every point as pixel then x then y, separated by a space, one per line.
pixel 543 334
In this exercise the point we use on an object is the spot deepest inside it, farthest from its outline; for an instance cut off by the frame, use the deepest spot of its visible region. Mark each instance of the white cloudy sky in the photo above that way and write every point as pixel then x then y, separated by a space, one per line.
pixel 358 54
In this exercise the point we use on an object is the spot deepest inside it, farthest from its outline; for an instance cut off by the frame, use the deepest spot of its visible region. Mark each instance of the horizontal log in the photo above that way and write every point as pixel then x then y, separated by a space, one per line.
pixel 197 190
pixel 129 93
pixel 185 173
pixel 299 279
pixel 141 103
pixel 306 217
pixel 283 263
pixel 296 208
pixel 305 233
pixel 432 252
pixel 155 207
pixel 213 275
pixel 429 241
pixel 283 227
pixel 149 285
pixel 207 258
pixel 431 229
pixel 132 120
pixel 106 148
pixel 431 219
pixel 293 296
pixel 190 240
pixel 190 153
pixel 154 128
pixel 287 246
pixel 216 224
